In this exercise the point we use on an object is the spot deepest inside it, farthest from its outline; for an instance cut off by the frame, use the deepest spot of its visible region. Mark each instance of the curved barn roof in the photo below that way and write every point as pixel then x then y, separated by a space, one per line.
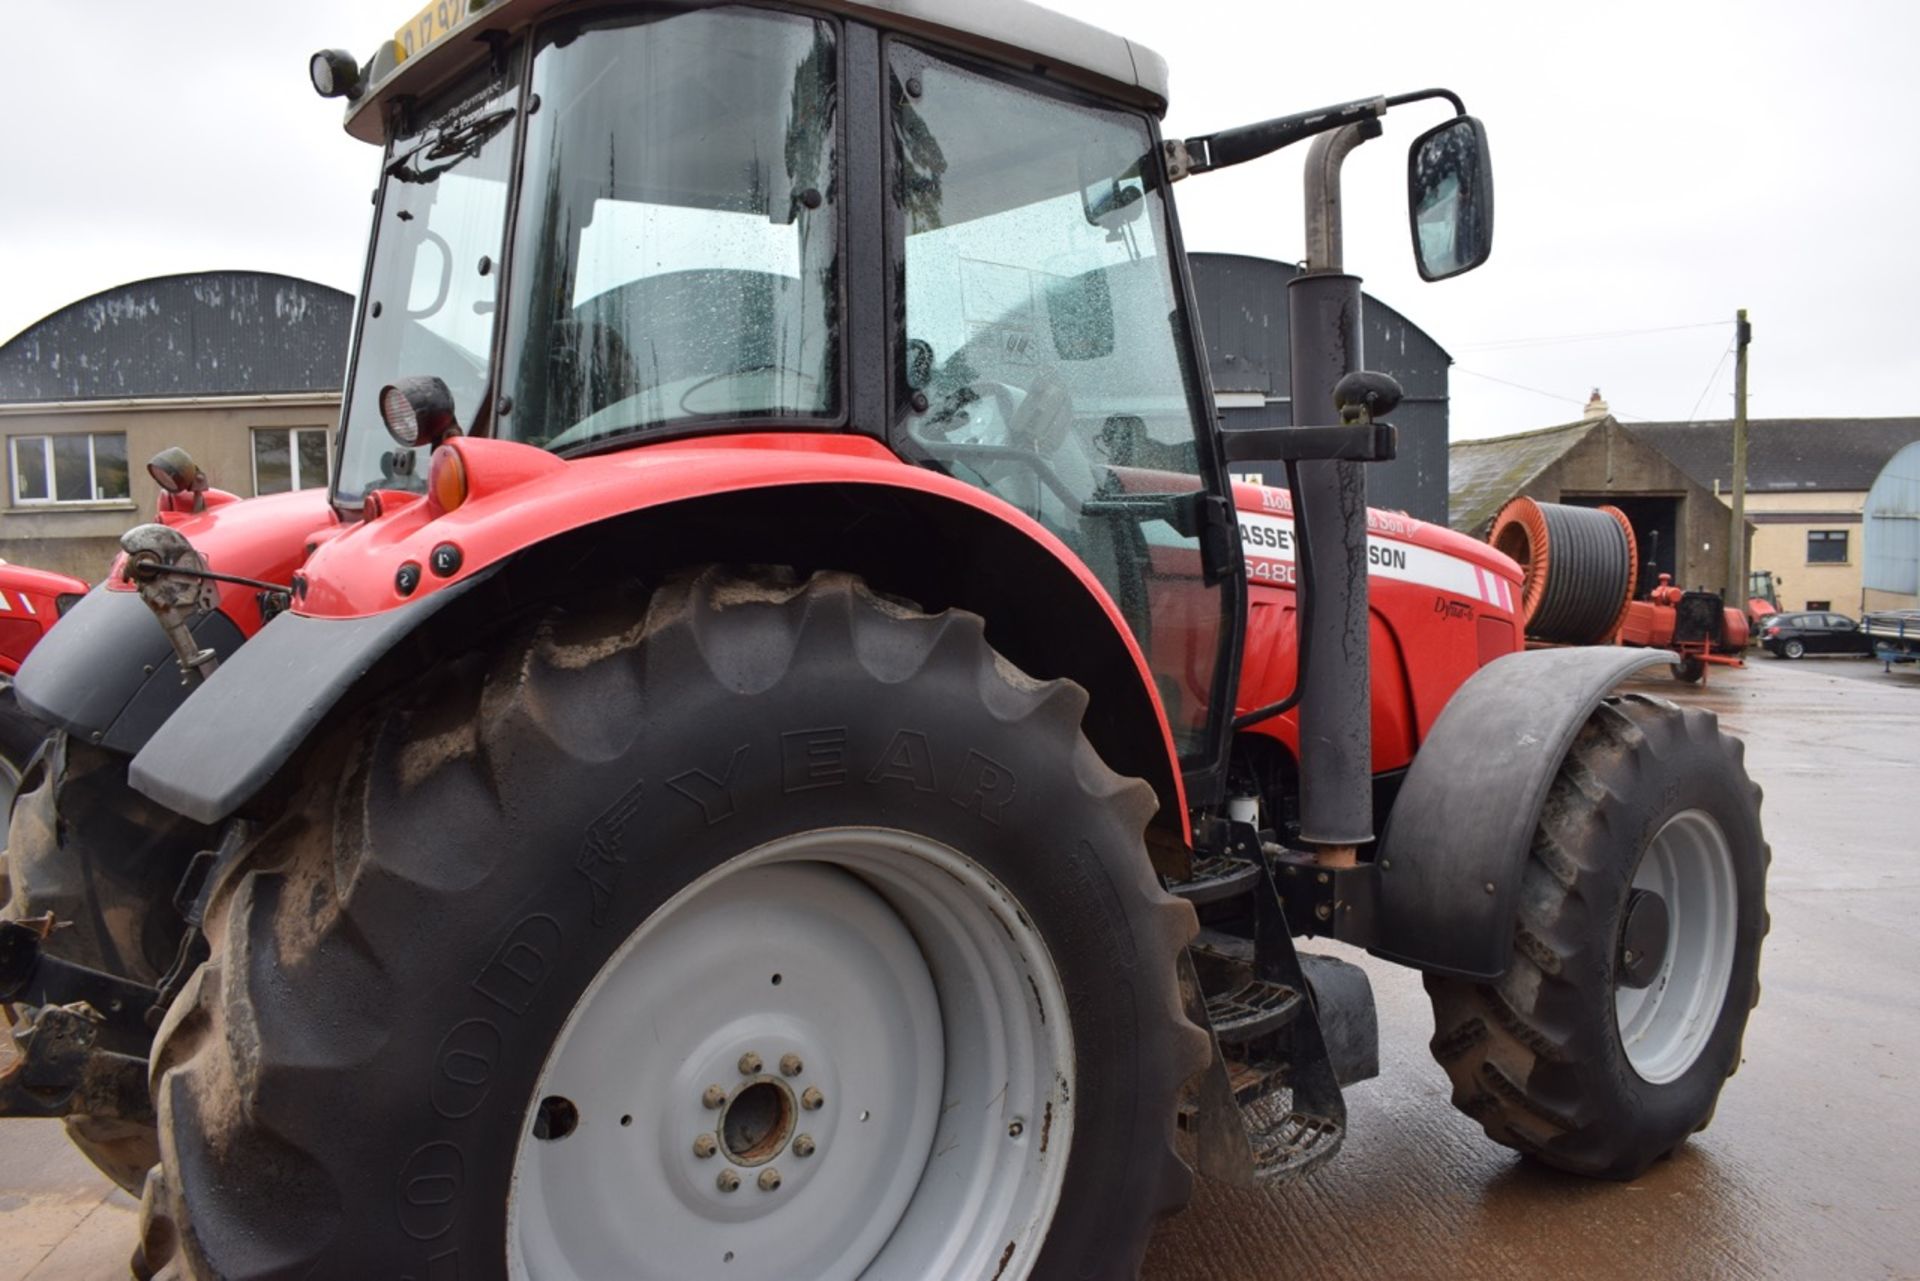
pixel 210 333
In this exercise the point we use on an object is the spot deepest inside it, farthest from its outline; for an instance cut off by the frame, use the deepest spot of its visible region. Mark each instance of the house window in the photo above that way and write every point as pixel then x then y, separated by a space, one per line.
pixel 1819 604
pixel 289 458
pixel 78 467
pixel 1826 547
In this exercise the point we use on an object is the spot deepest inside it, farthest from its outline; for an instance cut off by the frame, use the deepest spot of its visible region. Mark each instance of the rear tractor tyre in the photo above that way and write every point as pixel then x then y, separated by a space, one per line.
pixel 105 861
pixel 757 928
pixel 1636 953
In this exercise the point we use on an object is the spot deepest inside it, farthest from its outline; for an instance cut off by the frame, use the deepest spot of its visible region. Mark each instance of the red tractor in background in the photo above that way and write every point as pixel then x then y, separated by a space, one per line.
pixel 783 752
pixel 31 602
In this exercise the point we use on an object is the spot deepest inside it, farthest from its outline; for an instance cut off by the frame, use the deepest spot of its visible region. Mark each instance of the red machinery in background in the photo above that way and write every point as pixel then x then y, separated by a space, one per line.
pixel 31 601
pixel 1698 626
pixel 1579 564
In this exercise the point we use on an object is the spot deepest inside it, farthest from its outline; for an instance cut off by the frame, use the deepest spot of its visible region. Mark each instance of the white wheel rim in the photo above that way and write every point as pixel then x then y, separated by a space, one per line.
pixel 914 996
pixel 1665 1026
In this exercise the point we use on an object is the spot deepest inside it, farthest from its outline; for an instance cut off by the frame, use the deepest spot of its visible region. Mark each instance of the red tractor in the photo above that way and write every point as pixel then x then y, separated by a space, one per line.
pixel 778 755
pixel 31 602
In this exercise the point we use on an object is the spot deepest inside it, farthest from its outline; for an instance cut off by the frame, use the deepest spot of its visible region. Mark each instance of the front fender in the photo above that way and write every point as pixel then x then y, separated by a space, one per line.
pixel 1449 865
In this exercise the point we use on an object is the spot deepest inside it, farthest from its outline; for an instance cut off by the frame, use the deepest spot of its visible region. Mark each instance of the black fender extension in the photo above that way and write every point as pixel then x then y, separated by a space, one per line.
pixel 235 732
pixel 1449 864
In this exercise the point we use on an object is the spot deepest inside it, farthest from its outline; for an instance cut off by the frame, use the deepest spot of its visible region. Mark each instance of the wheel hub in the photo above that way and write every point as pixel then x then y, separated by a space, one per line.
pixel 1682 914
pixel 758 1121
pixel 1643 939
pixel 758 1131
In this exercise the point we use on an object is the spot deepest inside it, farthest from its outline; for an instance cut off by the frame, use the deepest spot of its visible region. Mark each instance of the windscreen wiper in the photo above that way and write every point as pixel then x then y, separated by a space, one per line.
pixel 449 147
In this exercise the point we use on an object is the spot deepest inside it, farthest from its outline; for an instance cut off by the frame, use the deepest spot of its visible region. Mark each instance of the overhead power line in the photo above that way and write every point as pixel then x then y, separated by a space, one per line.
pixel 1502 344
pixel 1711 378
pixel 1550 395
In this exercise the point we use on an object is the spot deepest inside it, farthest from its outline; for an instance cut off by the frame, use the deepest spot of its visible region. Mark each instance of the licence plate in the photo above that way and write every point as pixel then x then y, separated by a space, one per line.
pixel 427 26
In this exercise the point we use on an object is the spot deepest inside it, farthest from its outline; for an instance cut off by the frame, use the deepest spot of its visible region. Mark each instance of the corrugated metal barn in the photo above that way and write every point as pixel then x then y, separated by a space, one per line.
pixel 1891 579
pixel 1243 319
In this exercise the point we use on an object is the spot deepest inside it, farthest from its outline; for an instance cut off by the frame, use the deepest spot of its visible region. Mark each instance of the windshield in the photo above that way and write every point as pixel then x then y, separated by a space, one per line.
pixel 428 308
pixel 675 246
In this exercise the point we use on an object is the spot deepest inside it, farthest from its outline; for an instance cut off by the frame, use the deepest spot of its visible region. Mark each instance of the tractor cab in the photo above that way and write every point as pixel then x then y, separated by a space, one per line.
pixel 609 228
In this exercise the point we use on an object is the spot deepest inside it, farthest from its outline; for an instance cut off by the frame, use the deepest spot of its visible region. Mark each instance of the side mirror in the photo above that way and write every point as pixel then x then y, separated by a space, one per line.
pixel 1113 204
pixel 1450 198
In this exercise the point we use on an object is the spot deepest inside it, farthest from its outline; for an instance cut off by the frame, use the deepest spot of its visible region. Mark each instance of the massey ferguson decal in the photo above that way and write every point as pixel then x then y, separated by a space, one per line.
pixel 1268 544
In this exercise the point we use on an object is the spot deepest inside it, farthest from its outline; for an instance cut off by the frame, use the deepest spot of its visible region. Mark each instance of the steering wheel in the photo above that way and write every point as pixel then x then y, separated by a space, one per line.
pixel 1045 415
pixel 997 429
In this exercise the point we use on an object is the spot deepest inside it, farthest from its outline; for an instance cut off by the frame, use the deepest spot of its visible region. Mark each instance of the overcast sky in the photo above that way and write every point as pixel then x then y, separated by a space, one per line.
pixel 1658 166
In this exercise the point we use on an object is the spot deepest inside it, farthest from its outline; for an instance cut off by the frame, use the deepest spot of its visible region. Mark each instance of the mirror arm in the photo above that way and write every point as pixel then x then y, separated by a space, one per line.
pixel 1249 142
pixel 1423 95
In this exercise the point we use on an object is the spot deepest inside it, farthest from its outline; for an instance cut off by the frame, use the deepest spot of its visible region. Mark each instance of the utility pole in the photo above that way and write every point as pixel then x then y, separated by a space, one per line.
pixel 1737 550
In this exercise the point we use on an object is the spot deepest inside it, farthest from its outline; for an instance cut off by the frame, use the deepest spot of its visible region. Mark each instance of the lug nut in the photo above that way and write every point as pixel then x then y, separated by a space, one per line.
pixel 705 1146
pixel 769 1179
pixel 715 1097
pixel 727 1181
pixel 803 1145
pixel 812 1099
pixel 790 1065
pixel 749 1064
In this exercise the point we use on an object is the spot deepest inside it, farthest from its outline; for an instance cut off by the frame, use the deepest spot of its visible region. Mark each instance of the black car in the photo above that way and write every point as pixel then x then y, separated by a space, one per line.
pixel 1797 635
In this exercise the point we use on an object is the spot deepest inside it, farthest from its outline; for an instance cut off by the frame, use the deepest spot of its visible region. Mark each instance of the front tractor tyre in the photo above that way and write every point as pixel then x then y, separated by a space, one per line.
pixel 104 862
pixel 755 929
pixel 1636 954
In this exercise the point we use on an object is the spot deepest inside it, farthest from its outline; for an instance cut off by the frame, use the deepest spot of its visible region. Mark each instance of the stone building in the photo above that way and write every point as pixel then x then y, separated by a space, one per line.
pixel 1681 527
pixel 1807 482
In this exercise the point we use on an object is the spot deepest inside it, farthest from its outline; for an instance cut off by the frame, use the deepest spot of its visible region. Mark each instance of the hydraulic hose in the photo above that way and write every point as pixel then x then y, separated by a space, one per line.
pixel 1580 567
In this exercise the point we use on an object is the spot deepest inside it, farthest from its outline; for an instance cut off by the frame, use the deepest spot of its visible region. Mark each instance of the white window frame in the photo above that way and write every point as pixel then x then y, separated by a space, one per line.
pixel 293 456
pixel 53 498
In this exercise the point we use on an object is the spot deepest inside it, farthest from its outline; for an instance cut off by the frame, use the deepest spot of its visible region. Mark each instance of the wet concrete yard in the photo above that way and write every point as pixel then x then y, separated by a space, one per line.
pixel 1810 1166
pixel 1809 1170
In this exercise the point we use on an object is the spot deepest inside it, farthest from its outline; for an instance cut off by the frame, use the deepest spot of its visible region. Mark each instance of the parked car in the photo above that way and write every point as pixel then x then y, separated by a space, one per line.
pixel 1797 635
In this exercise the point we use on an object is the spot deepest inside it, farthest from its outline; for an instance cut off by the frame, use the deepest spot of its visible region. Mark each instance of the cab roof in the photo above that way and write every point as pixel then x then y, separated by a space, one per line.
pixel 1016 33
